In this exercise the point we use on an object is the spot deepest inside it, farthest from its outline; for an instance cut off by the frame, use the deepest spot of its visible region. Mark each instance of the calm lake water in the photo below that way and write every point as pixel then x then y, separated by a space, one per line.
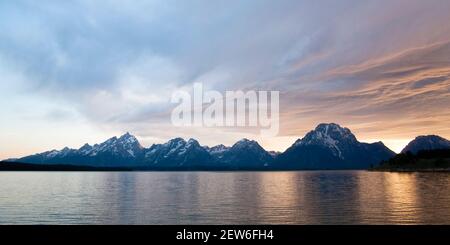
pixel 310 197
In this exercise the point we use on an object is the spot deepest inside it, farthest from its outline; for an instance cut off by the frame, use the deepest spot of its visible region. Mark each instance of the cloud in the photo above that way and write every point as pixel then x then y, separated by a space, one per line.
pixel 401 95
pixel 378 67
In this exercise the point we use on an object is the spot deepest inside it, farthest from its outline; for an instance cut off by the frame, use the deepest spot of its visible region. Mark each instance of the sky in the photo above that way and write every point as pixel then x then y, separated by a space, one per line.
pixel 82 71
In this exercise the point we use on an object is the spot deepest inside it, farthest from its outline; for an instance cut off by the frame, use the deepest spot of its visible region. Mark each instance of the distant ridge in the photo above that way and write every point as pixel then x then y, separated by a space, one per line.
pixel 426 142
pixel 16 166
pixel 328 146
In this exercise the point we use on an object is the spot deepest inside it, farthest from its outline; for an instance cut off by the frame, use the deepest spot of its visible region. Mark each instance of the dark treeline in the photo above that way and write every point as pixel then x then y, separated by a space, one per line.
pixel 425 159
pixel 442 153
pixel 14 166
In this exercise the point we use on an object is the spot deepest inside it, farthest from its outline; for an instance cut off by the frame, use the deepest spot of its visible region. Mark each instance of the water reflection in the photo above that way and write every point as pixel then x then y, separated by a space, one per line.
pixel 279 198
pixel 311 197
pixel 401 195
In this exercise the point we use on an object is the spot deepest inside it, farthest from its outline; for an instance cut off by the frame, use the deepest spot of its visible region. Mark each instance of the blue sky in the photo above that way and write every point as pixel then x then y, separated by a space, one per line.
pixel 81 71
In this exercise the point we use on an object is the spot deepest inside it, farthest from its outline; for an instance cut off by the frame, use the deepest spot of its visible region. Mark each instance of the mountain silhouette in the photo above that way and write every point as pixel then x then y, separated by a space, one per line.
pixel 427 142
pixel 328 146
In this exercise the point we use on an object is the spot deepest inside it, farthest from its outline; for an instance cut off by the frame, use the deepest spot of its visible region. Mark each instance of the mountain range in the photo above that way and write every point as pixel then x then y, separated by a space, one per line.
pixel 328 146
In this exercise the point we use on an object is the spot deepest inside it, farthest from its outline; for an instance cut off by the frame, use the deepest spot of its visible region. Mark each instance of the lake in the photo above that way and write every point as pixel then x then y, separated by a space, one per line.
pixel 302 197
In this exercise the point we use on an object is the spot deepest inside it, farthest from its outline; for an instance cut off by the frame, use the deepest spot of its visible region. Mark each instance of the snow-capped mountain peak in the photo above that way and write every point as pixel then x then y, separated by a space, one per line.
pixel 192 142
pixel 85 147
pixel 245 143
pixel 50 154
pixel 126 145
pixel 335 131
pixel 329 135
pixel 110 141
pixel 329 144
pixel 217 148
pixel 427 142
pixel 129 141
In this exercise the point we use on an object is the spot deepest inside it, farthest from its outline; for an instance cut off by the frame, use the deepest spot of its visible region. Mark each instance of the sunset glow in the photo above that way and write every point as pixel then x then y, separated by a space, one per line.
pixel 72 72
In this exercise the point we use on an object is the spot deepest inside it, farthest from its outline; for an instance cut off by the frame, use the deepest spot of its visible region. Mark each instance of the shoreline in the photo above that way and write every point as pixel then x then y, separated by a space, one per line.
pixel 410 170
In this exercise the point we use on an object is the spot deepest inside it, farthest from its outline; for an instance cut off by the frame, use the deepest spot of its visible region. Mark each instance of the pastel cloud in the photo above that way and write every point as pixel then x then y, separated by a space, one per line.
pixel 380 68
